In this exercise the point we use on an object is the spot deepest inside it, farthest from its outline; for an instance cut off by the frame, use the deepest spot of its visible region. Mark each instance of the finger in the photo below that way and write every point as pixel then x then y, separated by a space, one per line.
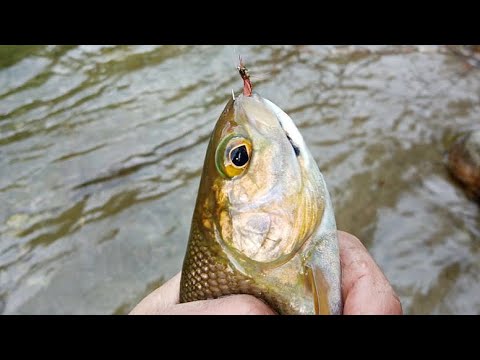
pixel 229 305
pixel 365 289
pixel 161 298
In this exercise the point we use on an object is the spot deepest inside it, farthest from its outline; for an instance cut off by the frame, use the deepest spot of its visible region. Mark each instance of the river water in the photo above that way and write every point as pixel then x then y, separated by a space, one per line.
pixel 102 147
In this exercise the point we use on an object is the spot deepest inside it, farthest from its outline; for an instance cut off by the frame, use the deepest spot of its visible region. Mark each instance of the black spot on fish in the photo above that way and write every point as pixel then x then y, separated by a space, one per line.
pixel 295 147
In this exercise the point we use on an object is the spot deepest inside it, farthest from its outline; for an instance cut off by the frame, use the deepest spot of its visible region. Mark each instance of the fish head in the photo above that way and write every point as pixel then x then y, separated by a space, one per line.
pixel 261 191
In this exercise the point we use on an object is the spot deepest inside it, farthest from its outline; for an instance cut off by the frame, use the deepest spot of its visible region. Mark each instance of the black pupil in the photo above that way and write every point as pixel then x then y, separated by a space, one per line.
pixel 239 156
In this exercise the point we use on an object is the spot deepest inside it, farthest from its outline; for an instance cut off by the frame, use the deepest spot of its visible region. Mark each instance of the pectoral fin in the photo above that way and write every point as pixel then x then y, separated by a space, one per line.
pixel 324 272
pixel 320 289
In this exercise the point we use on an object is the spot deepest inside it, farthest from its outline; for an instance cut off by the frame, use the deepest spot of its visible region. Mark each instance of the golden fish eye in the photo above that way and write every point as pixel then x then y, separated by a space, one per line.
pixel 233 156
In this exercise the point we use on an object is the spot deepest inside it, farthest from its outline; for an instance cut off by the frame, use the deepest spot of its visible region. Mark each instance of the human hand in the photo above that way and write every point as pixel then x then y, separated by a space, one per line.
pixel 365 290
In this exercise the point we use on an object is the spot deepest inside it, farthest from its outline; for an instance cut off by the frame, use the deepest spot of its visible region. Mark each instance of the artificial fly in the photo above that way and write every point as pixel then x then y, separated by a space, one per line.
pixel 247 85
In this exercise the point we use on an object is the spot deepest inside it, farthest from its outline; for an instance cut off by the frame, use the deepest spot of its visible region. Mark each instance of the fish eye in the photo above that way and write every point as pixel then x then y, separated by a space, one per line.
pixel 233 156
pixel 239 156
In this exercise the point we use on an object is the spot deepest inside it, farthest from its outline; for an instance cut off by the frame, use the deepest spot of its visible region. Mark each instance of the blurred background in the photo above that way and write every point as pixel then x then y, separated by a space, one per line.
pixel 102 148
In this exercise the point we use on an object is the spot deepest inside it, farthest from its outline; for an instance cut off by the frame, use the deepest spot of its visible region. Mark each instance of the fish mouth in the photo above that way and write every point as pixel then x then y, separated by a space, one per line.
pixel 290 129
pixel 285 121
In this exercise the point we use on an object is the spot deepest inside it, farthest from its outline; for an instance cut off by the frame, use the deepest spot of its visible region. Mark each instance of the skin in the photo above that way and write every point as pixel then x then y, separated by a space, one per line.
pixel 365 291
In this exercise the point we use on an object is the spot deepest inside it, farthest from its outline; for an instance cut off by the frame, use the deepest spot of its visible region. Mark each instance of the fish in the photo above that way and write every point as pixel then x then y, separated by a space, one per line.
pixel 263 222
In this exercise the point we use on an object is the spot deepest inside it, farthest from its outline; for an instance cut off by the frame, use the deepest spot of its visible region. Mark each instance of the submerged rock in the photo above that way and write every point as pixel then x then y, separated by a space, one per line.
pixel 464 162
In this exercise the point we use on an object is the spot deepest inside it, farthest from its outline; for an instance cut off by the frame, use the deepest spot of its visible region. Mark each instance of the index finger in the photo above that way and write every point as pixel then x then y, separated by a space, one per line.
pixel 365 289
pixel 165 300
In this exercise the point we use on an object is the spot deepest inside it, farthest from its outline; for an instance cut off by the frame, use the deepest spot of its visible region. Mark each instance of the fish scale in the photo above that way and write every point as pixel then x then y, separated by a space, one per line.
pixel 208 274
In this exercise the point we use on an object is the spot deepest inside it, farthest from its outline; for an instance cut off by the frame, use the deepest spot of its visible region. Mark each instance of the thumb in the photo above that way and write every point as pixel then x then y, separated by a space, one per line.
pixel 229 305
